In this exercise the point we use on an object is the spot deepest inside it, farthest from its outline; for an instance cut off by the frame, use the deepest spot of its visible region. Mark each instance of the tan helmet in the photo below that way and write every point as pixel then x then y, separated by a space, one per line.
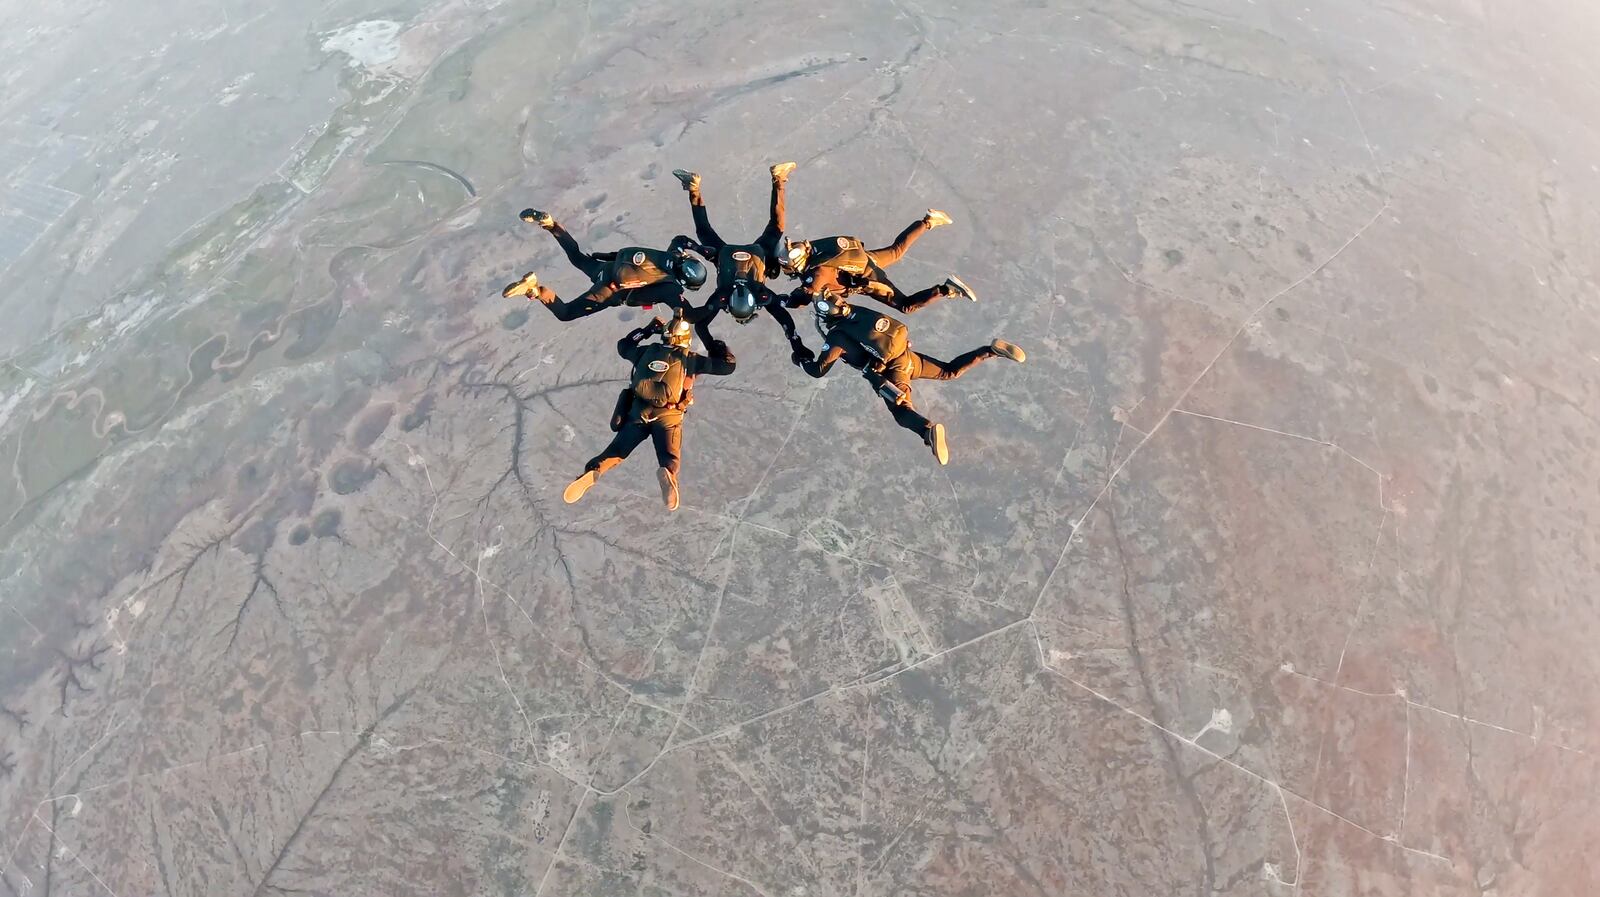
pixel 679 331
pixel 794 256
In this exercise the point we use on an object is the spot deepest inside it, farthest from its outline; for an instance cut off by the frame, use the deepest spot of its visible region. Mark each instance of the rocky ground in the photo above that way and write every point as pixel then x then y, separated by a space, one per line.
pixel 1272 572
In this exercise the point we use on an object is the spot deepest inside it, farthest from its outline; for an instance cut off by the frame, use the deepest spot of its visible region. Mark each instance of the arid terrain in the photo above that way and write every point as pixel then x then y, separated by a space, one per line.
pixel 1273 572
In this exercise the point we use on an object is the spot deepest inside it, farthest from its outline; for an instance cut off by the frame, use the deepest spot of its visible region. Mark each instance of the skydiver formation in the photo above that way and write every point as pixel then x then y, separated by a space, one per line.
pixel 829 270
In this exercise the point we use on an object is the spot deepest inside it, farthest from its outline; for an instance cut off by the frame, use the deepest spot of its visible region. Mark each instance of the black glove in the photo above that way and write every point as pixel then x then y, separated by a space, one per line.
pixel 801 356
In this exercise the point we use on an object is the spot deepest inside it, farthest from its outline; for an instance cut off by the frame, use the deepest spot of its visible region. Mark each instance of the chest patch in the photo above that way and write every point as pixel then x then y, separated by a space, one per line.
pixel 881 325
pixel 741 256
pixel 659 366
pixel 638 258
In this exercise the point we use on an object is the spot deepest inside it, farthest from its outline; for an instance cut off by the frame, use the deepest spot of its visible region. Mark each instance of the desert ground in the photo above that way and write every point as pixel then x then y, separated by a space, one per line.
pixel 1273 571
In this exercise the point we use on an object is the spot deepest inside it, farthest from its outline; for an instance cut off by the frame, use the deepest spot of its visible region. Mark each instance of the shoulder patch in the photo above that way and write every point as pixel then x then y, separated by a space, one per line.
pixel 741 256
pixel 638 258
pixel 881 325
pixel 659 366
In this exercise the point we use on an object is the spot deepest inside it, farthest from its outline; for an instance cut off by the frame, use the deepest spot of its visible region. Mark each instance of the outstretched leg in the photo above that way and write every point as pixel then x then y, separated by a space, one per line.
pixel 627 439
pixel 667 292
pixel 907 416
pixel 592 265
pixel 622 445
pixel 929 368
pixel 881 288
pixel 900 372
pixel 703 231
pixel 768 241
pixel 892 253
pixel 668 439
pixel 931 434
pixel 599 297
pixel 606 295
pixel 895 251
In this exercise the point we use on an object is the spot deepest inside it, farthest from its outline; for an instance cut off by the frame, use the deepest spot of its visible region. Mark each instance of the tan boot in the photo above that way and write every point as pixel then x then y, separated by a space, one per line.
pixel 526 287
pixel 934 437
pixel 1008 350
pixel 579 486
pixel 961 288
pixel 780 171
pixel 543 219
pixel 936 218
pixel 691 181
pixel 669 488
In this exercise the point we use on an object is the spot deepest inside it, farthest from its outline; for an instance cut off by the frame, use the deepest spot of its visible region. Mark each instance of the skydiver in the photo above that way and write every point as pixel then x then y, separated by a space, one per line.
pixel 632 275
pixel 654 404
pixel 842 266
pixel 742 268
pixel 878 346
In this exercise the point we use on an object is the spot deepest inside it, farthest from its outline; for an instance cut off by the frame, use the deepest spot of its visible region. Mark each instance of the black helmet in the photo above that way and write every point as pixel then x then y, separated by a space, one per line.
pixel 831 306
pixel 691 272
pixel 742 302
pixel 829 310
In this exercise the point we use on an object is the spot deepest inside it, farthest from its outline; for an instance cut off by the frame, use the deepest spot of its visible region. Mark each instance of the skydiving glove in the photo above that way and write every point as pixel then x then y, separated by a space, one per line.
pixel 800 354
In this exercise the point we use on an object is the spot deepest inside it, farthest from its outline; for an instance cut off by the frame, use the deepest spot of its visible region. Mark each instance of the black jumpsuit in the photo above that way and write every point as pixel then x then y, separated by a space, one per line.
pixel 827 280
pixel 900 371
pixel 609 289
pixel 663 426
pixel 720 253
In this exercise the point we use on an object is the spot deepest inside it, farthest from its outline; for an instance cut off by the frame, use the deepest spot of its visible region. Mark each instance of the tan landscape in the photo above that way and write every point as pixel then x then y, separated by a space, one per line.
pixel 1272 572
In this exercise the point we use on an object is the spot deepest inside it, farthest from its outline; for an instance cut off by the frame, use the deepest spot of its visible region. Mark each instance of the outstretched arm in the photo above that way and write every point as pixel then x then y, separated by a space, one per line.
pixel 720 363
pixel 801 296
pixel 628 346
pixel 682 243
pixel 781 315
pixel 819 367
